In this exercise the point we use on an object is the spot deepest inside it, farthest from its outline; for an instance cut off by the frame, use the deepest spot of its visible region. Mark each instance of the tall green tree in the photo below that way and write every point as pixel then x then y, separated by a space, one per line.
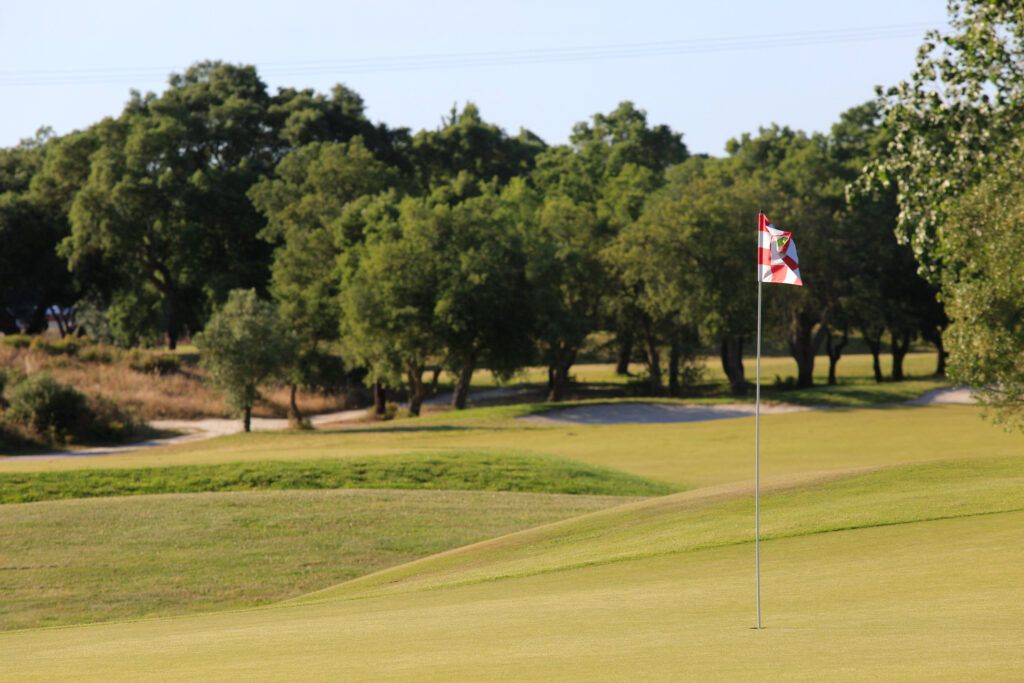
pixel 388 297
pixel 165 204
pixel 34 278
pixel 691 252
pixel 484 295
pixel 958 124
pixel 954 120
pixel 304 203
pixel 569 282
pixel 610 166
pixel 985 295
pixel 809 196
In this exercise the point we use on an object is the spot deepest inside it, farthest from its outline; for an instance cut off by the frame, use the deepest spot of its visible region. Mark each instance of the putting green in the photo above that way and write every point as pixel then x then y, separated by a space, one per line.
pixel 939 600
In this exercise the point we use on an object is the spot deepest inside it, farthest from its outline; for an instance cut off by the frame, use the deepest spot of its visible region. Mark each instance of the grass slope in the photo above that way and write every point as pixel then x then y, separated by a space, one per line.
pixel 906 573
pixel 718 517
pixel 449 470
pixel 64 562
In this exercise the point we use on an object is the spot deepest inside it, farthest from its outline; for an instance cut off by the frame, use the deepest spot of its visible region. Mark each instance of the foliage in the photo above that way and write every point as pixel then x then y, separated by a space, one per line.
pixel 985 294
pixel 165 206
pixel 962 108
pixel 54 410
pixel 466 144
pixel 244 344
pixel 31 226
pixel 153 362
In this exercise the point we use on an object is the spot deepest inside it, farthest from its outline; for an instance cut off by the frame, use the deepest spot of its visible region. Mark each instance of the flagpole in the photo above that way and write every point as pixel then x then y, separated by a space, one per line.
pixel 757 450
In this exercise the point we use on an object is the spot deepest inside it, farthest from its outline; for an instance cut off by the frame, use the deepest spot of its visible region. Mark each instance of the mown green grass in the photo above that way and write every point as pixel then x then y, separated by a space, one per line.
pixel 720 517
pixel 448 470
pixel 686 455
pixel 74 561
pixel 904 573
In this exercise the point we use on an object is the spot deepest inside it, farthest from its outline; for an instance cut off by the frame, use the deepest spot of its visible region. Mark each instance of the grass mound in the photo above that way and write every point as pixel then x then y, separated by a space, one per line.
pixel 75 561
pixel 453 470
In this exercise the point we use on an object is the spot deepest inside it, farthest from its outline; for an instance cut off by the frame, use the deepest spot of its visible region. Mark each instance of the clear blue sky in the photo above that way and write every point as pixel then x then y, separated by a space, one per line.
pixel 798 63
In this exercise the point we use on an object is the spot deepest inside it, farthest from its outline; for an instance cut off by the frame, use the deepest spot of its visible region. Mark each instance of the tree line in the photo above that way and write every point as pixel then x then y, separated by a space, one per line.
pixel 460 247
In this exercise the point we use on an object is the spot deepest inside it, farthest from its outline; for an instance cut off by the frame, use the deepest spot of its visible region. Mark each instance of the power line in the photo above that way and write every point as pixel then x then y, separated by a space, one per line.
pixel 341 67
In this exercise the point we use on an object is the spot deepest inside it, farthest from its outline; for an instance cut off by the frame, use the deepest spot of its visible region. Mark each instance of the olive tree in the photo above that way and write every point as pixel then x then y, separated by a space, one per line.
pixel 245 344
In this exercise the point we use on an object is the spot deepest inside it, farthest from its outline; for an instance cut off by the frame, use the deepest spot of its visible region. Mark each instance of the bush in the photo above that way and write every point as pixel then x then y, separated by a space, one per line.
pixel 49 407
pixel 68 346
pixel 150 363
pixel 390 411
pixel 108 422
pixel 785 384
pixel 97 354
pixel 16 341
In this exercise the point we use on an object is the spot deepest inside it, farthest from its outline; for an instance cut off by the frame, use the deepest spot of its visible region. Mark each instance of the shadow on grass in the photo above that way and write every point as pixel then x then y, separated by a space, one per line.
pixel 398 429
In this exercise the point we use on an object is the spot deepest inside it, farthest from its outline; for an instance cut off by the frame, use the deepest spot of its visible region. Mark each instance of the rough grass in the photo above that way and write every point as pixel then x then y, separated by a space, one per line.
pixel 65 562
pixel 448 470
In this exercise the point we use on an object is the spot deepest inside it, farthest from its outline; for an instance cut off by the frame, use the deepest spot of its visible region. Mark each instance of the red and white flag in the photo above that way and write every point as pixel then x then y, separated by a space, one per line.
pixel 776 254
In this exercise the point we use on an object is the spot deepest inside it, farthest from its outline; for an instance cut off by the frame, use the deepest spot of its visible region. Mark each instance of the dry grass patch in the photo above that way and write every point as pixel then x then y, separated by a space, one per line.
pixel 180 394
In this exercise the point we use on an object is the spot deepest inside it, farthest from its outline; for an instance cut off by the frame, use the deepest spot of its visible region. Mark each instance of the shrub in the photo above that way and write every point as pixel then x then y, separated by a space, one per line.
pixel 97 354
pixel 390 411
pixel 68 346
pixel 150 363
pixel 785 384
pixel 49 407
pixel 17 341
pixel 108 422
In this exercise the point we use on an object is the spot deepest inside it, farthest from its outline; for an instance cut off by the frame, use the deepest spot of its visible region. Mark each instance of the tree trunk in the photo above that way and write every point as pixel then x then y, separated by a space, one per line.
pixel 247 419
pixel 625 351
pixel 835 351
pixel 653 361
pixel 803 346
pixel 732 364
pixel 380 408
pixel 461 395
pixel 417 391
pixel 875 346
pixel 556 386
pixel 900 345
pixel 940 366
pixel 558 375
pixel 63 325
pixel 434 379
pixel 675 351
pixel 294 414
